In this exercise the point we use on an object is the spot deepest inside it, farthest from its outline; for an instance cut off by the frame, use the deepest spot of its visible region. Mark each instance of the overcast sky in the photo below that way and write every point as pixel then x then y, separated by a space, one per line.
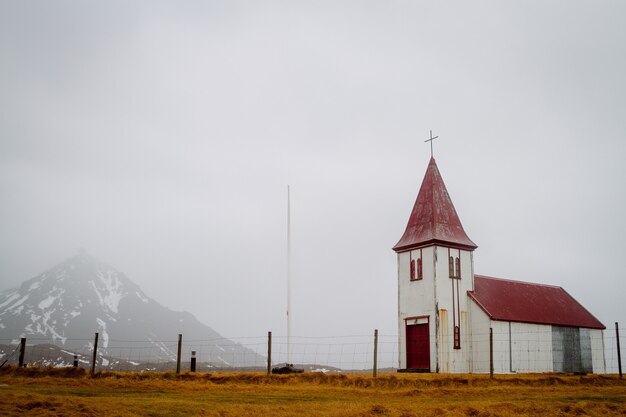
pixel 161 136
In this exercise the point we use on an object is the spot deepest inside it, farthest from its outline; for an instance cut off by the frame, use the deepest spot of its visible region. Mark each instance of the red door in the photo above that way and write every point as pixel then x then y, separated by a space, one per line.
pixel 417 346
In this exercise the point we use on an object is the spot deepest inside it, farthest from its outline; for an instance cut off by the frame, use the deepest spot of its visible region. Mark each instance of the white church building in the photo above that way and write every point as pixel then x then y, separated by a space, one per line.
pixel 445 311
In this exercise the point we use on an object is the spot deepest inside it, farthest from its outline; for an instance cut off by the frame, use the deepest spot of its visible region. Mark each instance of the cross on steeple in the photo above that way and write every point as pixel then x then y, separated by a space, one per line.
pixel 431 142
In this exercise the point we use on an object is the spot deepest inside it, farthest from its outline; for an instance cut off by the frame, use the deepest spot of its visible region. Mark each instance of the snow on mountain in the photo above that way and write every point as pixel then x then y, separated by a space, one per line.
pixel 67 304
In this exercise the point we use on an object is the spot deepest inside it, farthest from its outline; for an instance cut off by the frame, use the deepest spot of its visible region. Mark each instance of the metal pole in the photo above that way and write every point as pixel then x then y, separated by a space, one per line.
pixel 288 275
pixel 95 351
pixel 269 353
pixel 180 346
pixel 619 354
pixel 375 373
pixel 22 352
pixel 490 352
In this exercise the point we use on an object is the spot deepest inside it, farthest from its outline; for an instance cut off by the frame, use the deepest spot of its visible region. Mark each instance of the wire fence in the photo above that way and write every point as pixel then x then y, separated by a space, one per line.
pixel 518 351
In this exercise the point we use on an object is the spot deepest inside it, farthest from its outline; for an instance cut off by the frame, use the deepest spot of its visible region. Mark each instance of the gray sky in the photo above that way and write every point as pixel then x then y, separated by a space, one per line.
pixel 161 136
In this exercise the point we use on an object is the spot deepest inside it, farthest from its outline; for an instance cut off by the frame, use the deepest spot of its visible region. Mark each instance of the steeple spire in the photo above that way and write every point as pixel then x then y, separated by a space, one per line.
pixel 433 219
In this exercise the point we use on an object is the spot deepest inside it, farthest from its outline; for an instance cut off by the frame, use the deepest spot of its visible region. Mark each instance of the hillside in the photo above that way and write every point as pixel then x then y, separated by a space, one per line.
pixel 70 302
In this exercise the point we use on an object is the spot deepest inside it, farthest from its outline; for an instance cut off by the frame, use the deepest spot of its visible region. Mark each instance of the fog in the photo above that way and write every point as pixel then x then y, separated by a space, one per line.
pixel 161 137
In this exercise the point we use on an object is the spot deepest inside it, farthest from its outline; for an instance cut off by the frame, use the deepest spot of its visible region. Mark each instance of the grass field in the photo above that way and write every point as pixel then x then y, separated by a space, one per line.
pixel 73 393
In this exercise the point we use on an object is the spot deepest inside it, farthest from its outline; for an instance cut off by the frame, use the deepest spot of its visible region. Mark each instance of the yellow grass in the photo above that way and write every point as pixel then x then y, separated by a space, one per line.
pixel 74 393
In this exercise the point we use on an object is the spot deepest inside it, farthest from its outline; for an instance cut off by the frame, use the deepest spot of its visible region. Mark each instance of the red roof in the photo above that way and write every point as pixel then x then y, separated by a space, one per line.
pixel 525 302
pixel 433 219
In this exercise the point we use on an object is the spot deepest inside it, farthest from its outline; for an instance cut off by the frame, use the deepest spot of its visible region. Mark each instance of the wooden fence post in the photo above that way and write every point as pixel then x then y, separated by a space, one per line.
pixel 180 347
pixel 95 352
pixel 269 353
pixel 619 354
pixel 22 352
pixel 375 369
pixel 490 352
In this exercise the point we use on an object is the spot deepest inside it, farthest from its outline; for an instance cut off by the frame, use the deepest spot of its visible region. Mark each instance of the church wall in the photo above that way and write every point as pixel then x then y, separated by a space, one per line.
pixel 597 351
pixel 480 323
pixel 501 352
pixel 452 305
pixel 517 347
pixel 531 348
pixel 416 299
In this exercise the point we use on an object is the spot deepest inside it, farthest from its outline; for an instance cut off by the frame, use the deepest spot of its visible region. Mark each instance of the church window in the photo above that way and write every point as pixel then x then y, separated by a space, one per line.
pixel 458 268
pixel 415 267
pixel 451 266
pixel 457 337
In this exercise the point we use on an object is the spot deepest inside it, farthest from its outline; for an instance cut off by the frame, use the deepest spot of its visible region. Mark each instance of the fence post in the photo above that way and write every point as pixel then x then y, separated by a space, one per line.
pixel 490 352
pixel 180 347
pixel 95 352
pixel 75 361
pixel 375 369
pixel 22 352
pixel 269 353
pixel 193 361
pixel 619 354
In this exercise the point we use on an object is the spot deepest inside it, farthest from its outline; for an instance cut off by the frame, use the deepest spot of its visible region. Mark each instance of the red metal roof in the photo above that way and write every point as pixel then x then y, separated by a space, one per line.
pixel 433 219
pixel 525 302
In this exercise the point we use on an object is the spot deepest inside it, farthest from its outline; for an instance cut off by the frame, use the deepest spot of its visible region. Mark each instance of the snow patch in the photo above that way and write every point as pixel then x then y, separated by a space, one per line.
pixel 141 297
pixel 19 303
pixel 74 313
pixel 12 298
pixel 105 362
pixel 105 335
pixel 34 285
pixel 113 290
pixel 322 370
pixel 47 302
pixel 44 327
pixel 163 348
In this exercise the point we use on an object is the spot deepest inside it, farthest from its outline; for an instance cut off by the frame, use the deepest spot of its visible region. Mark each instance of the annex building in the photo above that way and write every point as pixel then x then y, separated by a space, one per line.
pixel 445 311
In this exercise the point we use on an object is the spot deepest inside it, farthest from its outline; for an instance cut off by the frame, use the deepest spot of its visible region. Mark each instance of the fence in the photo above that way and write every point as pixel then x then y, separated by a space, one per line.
pixel 358 353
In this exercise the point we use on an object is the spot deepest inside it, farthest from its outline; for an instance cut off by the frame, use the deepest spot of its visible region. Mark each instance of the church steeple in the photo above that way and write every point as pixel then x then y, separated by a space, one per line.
pixel 434 219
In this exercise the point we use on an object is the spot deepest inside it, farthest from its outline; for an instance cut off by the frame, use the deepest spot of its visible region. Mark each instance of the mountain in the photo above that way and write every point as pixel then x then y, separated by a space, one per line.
pixel 67 304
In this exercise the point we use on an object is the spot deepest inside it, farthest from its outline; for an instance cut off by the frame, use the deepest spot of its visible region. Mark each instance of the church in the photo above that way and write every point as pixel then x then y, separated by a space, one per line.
pixel 447 314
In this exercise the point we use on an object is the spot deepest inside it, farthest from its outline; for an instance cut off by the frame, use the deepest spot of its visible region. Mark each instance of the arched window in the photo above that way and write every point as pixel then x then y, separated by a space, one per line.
pixel 420 272
pixel 451 266
pixel 458 268
pixel 412 269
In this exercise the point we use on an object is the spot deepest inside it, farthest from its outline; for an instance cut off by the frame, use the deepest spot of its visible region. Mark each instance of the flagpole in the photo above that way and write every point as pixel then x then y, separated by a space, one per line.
pixel 288 275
